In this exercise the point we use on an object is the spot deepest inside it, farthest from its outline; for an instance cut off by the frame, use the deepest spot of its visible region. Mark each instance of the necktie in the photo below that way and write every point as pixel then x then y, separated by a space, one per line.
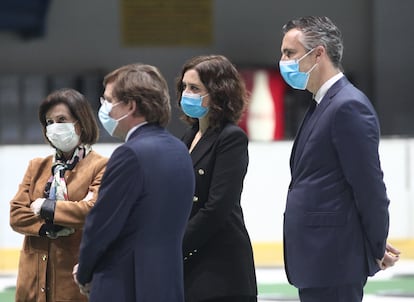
pixel 308 114
pixel 299 139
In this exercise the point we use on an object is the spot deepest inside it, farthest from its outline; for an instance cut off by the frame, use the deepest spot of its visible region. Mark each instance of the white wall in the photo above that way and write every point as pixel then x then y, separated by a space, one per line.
pixel 264 194
pixel 13 162
pixel 268 179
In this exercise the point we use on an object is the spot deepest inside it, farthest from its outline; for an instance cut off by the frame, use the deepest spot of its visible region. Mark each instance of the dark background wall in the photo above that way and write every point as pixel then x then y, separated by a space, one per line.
pixel 393 68
pixel 83 37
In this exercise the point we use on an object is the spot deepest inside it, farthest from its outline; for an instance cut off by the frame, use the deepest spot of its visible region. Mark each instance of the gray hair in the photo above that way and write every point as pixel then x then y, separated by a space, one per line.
pixel 319 31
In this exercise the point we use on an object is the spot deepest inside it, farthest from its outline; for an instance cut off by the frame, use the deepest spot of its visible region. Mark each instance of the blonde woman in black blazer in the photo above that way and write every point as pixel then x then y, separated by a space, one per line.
pixel 218 257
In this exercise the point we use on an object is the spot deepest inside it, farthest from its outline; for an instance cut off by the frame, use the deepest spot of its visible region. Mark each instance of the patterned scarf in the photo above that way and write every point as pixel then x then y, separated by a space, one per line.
pixel 56 186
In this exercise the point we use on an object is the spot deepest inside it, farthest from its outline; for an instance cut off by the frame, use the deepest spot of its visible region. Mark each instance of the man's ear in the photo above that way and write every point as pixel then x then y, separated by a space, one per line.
pixel 319 51
pixel 132 106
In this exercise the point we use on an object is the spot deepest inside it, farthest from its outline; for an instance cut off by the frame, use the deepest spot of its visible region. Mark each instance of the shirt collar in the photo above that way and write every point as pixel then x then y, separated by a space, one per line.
pixel 325 87
pixel 133 129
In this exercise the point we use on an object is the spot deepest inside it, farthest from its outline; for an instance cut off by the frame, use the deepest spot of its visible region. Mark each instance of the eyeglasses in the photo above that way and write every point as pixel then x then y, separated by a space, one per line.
pixel 103 101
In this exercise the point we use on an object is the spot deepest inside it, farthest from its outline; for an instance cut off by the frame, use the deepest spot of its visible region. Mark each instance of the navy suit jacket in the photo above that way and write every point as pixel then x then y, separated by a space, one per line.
pixel 336 218
pixel 131 248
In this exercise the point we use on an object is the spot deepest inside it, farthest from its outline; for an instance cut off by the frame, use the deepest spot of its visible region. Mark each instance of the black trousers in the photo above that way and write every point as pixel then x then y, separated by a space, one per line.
pixel 344 293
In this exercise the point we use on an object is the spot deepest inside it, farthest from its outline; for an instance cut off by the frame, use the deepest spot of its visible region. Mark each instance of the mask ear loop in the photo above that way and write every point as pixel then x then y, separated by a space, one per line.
pixel 310 51
pixel 317 56
pixel 124 116
pixel 313 67
pixel 202 97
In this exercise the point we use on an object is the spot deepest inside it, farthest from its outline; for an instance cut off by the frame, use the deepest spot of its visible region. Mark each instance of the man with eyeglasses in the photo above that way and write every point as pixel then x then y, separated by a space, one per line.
pixel 132 241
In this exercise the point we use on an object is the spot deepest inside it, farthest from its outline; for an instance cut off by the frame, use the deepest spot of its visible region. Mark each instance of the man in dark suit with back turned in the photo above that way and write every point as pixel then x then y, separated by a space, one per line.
pixel 131 248
pixel 336 218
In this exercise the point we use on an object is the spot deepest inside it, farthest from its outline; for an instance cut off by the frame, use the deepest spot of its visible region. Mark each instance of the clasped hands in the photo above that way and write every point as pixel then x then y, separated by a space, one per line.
pixel 84 289
pixel 56 231
pixel 391 256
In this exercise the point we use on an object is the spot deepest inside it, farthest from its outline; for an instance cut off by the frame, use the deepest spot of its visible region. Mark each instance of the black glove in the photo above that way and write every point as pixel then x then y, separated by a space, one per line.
pixel 54 231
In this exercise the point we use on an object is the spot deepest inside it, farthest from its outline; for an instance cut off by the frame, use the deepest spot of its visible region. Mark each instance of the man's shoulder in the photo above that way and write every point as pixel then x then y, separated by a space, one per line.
pixel 148 141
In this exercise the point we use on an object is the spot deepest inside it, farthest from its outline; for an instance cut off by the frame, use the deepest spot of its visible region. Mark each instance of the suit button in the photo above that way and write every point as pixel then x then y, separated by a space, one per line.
pixel 200 172
pixel 195 199
pixel 42 289
pixel 44 257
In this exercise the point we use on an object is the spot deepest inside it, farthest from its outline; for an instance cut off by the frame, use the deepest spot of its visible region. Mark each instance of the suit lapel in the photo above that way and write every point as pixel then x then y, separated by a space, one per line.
pixel 204 145
pixel 189 136
pixel 303 134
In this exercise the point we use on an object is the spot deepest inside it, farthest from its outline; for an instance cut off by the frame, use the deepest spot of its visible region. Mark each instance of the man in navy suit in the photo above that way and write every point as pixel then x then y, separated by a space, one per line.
pixel 131 248
pixel 336 218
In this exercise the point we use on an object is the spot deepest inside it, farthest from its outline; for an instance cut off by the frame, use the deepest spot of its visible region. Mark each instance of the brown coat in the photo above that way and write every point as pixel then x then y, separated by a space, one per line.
pixel 45 266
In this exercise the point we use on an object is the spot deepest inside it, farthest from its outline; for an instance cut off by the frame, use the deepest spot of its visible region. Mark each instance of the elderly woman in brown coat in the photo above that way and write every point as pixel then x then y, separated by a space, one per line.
pixel 54 197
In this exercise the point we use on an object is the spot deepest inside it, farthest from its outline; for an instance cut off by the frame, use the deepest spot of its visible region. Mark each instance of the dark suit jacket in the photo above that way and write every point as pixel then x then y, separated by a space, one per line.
pixel 131 248
pixel 217 249
pixel 336 218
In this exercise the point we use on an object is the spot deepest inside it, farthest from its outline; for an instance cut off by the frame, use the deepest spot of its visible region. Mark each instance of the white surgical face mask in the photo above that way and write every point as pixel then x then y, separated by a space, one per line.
pixel 107 121
pixel 63 136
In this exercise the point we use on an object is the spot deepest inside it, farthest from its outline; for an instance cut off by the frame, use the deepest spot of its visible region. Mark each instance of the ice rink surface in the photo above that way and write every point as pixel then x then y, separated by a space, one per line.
pixel 277 275
pixel 403 267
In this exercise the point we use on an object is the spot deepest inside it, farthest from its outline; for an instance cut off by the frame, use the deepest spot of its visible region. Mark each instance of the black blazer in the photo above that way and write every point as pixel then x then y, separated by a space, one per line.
pixel 218 257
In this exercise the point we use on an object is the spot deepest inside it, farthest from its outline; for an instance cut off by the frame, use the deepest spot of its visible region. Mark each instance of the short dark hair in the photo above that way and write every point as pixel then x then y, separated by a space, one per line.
pixel 79 108
pixel 319 30
pixel 225 86
pixel 144 85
